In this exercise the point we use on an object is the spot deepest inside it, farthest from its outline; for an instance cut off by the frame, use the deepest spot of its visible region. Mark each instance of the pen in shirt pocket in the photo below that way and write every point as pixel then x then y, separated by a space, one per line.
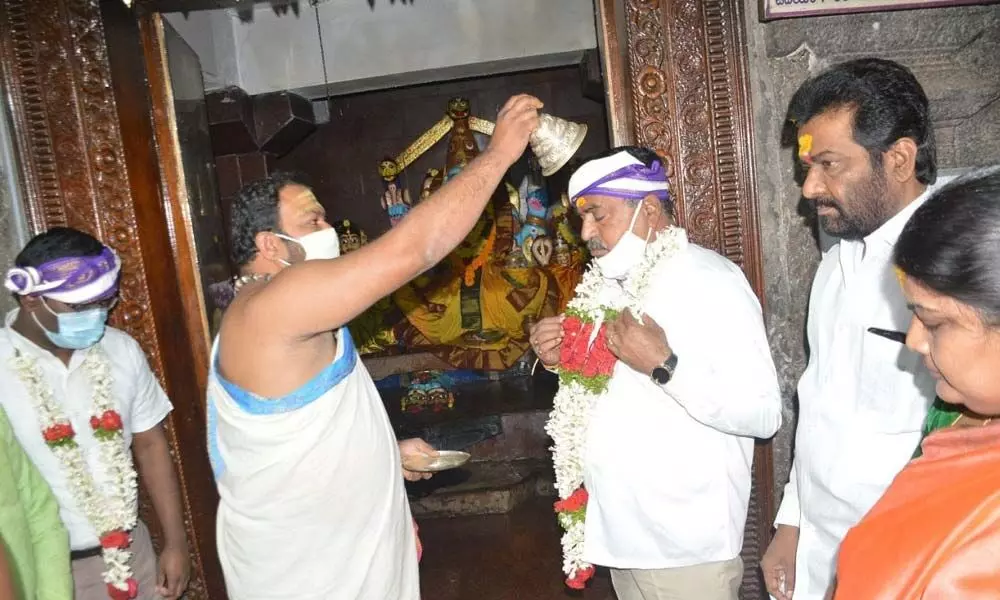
pixel 896 336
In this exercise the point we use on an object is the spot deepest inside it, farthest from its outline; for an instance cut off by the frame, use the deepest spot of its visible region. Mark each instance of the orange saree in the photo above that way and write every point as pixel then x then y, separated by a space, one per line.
pixel 935 534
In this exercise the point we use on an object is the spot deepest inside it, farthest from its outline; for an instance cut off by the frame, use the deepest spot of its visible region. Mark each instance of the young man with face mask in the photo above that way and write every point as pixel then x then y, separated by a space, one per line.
pixel 82 399
pixel 312 502
pixel 867 147
pixel 669 446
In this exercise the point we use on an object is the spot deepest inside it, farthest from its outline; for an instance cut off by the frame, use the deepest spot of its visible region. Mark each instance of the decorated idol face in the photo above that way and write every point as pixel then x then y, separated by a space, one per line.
pixel 350 241
pixel 852 195
pixel 388 169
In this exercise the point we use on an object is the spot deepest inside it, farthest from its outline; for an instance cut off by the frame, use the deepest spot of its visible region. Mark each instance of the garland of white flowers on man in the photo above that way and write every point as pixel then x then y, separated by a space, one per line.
pixel 113 515
pixel 585 368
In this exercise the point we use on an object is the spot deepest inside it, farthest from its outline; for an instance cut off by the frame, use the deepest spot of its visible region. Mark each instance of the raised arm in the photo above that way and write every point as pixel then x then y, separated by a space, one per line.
pixel 325 294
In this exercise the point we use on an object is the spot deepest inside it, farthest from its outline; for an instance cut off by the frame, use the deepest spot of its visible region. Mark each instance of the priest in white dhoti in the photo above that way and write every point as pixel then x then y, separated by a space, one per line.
pixel 665 380
pixel 312 502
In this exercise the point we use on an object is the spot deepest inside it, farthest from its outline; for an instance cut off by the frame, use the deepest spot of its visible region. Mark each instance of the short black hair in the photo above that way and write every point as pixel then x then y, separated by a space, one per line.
pixel 951 244
pixel 645 155
pixel 255 209
pixel 57 242
pixel 888 104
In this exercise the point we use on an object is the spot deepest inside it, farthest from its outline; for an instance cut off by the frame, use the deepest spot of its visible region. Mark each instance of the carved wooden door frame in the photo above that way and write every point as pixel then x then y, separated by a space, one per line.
pixel 77 84
pixel 676 80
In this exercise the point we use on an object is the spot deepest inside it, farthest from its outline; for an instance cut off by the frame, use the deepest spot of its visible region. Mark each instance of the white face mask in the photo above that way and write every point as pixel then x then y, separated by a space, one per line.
pixel 318 245
pixel 626 254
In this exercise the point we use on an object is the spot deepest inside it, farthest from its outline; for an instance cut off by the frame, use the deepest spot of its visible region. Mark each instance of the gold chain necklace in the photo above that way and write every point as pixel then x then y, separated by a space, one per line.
pixel 242 280
pixel 959 418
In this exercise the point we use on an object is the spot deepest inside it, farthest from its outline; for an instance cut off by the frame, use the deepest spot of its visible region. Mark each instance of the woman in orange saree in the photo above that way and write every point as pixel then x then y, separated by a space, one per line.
pixel 935 534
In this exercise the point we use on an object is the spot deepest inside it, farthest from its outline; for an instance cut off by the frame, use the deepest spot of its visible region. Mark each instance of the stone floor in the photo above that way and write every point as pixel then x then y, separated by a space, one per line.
pixel 514 556
pixel 510 556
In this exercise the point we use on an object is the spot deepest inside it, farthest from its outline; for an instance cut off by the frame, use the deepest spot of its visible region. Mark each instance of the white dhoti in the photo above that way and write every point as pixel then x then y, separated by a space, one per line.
pixel 312 501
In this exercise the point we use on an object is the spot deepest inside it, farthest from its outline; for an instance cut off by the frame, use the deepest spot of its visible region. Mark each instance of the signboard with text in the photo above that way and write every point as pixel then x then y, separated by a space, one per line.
pixel 781 9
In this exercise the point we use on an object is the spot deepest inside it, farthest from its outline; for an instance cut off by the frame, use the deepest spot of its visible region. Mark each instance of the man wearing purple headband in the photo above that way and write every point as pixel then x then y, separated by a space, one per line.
pixel 82 399
pixel 669 444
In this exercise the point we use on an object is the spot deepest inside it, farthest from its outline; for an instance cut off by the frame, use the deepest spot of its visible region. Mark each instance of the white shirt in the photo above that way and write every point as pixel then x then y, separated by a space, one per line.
pixel 668 468
pixel 862 400
pixel 140 401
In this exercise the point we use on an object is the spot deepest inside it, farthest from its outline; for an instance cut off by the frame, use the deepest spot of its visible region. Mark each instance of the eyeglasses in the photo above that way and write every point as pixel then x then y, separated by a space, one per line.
pixel 107 303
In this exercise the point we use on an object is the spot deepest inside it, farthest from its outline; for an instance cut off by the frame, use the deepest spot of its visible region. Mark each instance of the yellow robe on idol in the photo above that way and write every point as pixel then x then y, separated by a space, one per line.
pixel 475 314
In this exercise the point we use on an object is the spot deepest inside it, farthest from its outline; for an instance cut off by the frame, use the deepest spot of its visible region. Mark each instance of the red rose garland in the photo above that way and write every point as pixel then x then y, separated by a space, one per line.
pixel 579 581
pixel 588 365
pixel 59 434
pixel 112 515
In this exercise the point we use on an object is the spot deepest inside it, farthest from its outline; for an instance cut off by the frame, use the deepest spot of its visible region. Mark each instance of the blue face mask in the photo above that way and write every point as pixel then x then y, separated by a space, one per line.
pixel 77 330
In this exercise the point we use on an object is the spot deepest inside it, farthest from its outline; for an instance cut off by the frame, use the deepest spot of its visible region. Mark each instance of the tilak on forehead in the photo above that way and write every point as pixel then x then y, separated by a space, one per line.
pixel 620 175
pixel 72 279
pixel 900 275
pixel 307 198
pixel 805 148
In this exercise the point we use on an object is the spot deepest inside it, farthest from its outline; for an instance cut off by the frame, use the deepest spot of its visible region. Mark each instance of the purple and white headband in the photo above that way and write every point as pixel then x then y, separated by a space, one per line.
pixel 72 279
pixel 620 175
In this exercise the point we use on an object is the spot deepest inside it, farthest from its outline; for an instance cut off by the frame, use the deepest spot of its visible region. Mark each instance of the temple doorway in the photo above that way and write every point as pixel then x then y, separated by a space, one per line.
pixel 375 140
pixel 449 352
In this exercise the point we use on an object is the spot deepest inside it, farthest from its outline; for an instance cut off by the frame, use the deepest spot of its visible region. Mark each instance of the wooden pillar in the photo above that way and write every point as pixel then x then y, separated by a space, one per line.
pixel 74 72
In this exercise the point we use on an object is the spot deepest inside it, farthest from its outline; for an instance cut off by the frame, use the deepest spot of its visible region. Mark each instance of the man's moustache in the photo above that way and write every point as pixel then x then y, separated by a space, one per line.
pixel 827 203
pixel 595 244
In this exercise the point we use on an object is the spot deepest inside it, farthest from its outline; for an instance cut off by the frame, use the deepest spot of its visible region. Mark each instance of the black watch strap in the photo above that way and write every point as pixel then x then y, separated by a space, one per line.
pixel 662 374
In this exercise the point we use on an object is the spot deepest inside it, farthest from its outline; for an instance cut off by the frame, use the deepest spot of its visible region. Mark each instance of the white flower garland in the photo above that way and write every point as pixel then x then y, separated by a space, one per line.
pixel 117 511
pixel 596 297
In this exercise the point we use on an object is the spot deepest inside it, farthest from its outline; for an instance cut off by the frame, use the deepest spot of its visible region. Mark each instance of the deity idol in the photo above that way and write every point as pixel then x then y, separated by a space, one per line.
pixel 532 238
pixel 395 197
pixel 470 310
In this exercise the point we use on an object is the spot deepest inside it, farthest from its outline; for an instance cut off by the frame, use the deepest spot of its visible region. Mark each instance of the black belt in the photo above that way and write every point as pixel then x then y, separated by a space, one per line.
pixel 88 553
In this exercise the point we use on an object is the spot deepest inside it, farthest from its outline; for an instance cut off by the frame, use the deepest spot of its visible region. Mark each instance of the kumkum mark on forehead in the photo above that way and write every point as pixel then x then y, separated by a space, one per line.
pixel 805 148
pixel 306 195
pixel 900 275
pixel 308 200
pixel 580 203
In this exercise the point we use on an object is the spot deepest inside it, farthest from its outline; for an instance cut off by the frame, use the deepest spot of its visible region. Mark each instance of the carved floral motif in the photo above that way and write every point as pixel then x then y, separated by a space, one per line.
pixel 56 72
pixel 690 101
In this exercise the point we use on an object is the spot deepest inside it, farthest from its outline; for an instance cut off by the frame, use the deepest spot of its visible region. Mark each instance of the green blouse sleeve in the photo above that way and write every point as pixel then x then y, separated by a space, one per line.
pixel 939 416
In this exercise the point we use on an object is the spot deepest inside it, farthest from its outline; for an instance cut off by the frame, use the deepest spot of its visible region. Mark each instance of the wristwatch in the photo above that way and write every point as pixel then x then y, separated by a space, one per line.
pixel 662 374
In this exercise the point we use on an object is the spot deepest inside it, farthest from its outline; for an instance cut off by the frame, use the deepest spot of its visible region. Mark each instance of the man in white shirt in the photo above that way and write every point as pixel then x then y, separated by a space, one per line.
pixel 866 143
pixel 81 399
pixel 669 446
